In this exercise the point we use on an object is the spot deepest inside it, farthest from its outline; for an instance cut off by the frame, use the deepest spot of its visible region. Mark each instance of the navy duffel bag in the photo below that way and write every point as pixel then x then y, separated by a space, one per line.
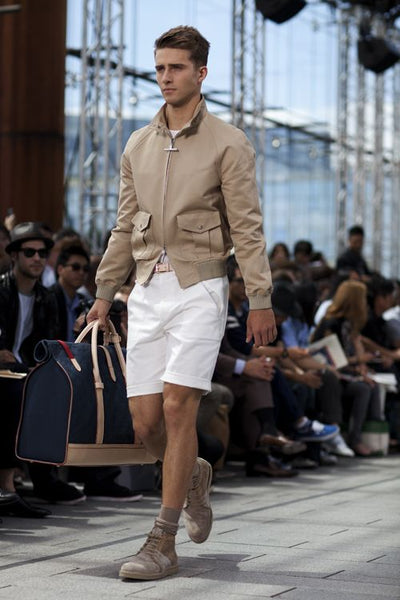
pixel 75 410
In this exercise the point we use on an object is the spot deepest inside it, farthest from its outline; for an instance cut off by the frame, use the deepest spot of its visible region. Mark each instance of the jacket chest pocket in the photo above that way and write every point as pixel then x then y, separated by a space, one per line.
pixel 141 235
pixel 201 233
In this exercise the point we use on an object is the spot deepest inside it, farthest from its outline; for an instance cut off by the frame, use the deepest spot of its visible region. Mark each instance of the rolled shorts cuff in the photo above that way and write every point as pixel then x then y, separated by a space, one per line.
pixel 198 383
pixel 144 389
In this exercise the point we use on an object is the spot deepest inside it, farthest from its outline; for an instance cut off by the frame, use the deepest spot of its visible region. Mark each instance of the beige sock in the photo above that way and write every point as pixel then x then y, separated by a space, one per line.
pixel 168 519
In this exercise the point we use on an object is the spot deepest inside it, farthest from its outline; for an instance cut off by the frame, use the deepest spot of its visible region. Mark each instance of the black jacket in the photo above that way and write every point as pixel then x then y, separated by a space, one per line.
pixel 58 292
pixel 45 317
pixel 352 261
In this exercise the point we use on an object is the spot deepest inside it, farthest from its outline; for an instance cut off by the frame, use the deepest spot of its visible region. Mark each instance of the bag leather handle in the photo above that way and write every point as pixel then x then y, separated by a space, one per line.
pixel 93 327
pixel 109 335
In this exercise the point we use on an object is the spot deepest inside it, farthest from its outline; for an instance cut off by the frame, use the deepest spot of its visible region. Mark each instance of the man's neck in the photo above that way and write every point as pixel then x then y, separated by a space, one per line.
pixel 25 284
pixel 178 116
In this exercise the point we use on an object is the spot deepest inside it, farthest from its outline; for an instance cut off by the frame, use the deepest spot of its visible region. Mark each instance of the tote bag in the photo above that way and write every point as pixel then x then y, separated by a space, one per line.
pixel 75 409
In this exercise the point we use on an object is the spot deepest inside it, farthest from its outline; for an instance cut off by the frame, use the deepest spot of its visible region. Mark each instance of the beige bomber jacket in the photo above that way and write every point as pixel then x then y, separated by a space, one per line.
pixel 195 197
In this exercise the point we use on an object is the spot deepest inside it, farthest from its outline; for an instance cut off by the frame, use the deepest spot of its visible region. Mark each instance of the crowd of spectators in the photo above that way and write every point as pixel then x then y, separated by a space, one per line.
pixel 276 409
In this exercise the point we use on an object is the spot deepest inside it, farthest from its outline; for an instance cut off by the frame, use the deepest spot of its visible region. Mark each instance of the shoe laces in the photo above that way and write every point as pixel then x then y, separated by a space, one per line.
pixel 151 543
pixel 193 487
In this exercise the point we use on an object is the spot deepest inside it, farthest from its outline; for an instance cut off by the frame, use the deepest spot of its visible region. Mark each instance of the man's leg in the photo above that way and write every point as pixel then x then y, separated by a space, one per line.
pixel 180 413
pixel 186 478
pixel 157 557
pixel 167 426
pixel 148 422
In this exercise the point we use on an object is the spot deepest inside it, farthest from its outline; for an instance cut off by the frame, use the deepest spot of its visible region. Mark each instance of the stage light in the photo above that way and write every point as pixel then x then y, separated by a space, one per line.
pixel 377 54
pixel 279 10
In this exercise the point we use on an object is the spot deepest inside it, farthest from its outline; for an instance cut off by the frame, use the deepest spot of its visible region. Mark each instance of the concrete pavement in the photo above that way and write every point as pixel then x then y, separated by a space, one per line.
pixel 329 534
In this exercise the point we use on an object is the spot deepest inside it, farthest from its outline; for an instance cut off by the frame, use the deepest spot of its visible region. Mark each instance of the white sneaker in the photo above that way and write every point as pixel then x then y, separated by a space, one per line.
pixel 338 446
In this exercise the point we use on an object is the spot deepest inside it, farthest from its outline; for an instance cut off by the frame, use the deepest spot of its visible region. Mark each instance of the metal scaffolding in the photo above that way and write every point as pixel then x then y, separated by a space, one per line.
pixel 378 175
pixel 342 174
pixel 100 136
pixel 248 79
pixel 360 137
pixel 395 173
pixel 378 153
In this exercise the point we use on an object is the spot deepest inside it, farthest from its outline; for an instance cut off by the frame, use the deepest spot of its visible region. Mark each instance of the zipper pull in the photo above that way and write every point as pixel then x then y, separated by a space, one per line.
pixel 171 146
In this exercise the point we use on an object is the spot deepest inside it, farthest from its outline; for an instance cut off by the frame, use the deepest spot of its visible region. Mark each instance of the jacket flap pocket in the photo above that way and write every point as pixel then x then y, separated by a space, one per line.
pixel 141 220
pixel 200 221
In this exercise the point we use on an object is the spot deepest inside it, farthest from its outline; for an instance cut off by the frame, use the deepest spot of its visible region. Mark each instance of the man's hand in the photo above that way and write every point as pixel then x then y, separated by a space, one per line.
pixel 261 327
pixel 99 311
pixel 260 368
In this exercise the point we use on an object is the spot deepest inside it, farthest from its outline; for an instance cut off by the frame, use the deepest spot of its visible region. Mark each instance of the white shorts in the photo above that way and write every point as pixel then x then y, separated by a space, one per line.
pixel 174 334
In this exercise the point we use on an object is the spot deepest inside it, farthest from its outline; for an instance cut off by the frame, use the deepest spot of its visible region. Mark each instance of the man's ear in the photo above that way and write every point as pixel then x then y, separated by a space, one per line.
pixel 202 73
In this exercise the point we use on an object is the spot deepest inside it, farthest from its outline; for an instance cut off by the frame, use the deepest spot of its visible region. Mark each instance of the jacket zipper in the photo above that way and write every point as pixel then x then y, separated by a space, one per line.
pixel 169 150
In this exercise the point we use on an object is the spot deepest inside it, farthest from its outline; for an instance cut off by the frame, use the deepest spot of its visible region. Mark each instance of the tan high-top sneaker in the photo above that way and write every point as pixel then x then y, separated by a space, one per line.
pixel 197 513
pixel 156 559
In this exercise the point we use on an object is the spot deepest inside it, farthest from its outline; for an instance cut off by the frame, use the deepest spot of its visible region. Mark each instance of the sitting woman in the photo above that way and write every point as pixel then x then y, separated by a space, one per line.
pixel 346 317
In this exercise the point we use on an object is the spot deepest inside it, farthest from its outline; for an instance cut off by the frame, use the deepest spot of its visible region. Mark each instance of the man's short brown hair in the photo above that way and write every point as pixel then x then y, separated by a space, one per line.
pixel 185 38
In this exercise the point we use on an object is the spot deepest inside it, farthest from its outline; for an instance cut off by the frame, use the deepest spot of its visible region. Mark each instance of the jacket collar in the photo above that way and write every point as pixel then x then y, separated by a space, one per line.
pixel 159 122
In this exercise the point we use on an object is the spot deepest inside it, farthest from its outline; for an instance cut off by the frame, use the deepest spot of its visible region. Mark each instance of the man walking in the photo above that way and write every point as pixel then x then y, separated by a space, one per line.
pixel 187 196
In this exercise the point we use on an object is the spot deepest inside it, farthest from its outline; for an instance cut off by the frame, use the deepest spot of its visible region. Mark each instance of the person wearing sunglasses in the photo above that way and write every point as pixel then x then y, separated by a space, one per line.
pixel 72 268
pixel 23 301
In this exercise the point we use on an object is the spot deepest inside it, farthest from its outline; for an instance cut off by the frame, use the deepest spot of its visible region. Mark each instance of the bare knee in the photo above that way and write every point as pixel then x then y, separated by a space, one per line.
pixel 173 413
pixel 180 407
pixel 147 419
pixel 146 430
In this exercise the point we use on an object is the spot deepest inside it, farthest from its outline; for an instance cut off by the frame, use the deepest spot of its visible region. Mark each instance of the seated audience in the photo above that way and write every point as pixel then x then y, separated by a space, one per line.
pixel 319 384
pixel 304 428
pixel 252 421
pixel 380 339
pixel 346 317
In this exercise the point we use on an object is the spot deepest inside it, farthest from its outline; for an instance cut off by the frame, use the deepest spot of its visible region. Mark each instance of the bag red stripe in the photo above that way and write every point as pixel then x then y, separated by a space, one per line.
pixel 67 349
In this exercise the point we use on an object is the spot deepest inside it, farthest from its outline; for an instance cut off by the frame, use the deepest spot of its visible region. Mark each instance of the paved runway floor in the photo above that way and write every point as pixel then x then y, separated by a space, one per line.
pixel 329 534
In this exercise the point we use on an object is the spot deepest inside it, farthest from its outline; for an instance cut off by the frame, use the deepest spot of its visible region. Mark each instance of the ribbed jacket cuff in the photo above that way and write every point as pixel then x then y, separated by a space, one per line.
pixel 259 302
pixel 105 293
